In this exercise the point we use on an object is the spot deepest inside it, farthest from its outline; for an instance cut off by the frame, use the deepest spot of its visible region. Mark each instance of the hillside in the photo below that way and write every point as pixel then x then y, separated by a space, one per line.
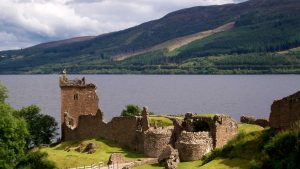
pixel 195 40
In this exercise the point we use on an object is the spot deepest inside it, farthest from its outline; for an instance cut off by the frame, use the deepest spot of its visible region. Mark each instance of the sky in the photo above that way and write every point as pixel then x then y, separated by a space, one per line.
pixel 25 23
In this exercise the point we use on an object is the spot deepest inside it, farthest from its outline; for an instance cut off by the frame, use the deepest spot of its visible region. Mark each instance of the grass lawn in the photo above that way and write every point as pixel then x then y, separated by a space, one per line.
pixel 73 158
pixel 219 163
pixel 249 128
pixel 205 115
pixel 160 121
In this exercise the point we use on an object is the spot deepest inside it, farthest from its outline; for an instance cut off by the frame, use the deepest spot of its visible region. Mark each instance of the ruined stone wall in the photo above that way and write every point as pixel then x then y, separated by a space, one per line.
pixel 222 128
pixel 78 100
pixel 194 145
pixel 285 112
pixel 155 140
pixel 225 129
pixel 121 130
pixel 88 126
pixel 252 120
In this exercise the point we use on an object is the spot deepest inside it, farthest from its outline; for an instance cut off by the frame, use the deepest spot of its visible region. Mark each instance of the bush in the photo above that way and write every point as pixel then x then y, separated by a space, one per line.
pixel 283 151
pixel 36 160
pixel 132 110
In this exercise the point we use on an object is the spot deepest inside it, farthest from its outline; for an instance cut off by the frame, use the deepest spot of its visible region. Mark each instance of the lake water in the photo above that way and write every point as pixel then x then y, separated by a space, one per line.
pixel 234 95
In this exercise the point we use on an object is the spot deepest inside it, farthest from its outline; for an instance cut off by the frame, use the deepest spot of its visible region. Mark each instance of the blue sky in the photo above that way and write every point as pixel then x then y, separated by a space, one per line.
pixel 24 23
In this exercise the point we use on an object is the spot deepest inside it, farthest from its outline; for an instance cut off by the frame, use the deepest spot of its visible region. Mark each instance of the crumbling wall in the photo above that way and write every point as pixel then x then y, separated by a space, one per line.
pixel 225 129
pixel 194 145
pixel 285 112
pixel 155 140
pixel 252 120
pixel 122 130
pixel 94 128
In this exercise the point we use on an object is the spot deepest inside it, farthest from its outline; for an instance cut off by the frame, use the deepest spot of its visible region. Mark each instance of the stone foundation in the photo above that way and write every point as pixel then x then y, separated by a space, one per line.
pixel 155 140
pixel 194 145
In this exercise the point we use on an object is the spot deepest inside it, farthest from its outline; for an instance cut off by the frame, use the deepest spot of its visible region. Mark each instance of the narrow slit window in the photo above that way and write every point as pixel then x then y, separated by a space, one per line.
pixel 76 96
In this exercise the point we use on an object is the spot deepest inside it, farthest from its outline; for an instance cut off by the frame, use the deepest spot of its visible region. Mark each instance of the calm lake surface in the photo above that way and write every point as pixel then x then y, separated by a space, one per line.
pixel 234 95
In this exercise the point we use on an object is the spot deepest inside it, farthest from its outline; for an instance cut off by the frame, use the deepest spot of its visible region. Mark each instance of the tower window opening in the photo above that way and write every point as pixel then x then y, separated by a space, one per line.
pixel 76 96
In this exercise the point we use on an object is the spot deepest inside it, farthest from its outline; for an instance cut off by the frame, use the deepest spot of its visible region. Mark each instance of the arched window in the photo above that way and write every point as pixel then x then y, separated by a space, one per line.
pixel 76 96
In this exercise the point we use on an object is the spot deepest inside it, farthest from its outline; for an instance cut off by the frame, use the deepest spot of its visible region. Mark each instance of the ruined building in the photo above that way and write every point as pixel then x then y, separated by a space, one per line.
pixel 193 136
pixel 285 112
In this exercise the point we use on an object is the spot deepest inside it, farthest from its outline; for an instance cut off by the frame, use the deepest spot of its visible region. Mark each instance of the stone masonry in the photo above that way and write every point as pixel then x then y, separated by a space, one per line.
pixel 192 137
pixel 77 98
pixel 285 112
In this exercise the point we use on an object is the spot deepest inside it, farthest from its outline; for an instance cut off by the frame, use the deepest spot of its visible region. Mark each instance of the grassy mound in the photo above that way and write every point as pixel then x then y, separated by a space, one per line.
pixel 73 158
pixel 262 149
pixel 160 121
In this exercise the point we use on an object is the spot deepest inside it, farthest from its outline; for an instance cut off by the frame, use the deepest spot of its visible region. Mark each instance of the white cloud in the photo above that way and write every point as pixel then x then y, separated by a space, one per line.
pixel 27 22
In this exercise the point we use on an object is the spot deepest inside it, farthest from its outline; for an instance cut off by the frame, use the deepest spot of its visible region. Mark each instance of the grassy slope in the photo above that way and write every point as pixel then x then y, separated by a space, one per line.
pixel 73 158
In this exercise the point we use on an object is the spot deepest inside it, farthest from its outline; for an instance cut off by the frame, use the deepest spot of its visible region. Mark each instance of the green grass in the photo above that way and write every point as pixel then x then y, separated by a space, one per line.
pixel 248 128
pixel 205 115
pixel 150 166
pixel 72 158
pixel 160 121
pixel 225 163
pixel 220 163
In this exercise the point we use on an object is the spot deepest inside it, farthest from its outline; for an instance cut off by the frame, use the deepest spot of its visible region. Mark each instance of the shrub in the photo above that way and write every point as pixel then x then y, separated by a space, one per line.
pixel 132 110
pixel 283 151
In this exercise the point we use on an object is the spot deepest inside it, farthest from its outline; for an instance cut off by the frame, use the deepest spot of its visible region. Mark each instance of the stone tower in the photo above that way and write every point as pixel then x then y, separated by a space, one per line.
pixel 77 98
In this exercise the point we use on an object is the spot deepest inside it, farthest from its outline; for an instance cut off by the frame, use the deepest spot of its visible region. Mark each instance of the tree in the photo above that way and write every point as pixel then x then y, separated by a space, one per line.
pixel 13 133
pixel 42 128
pixel 3 93
pixel 131 110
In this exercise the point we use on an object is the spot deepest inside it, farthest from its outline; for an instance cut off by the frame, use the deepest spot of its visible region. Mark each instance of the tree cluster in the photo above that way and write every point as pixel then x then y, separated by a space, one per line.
pixel 21 131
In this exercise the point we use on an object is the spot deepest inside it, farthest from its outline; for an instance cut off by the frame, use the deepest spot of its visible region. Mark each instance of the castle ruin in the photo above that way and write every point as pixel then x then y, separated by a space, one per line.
pixel 193 136
pixel 285 112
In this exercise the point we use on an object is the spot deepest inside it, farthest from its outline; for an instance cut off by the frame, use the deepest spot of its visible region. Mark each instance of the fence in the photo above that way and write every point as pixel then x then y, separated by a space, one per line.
pixel 92 166
pixel 100 166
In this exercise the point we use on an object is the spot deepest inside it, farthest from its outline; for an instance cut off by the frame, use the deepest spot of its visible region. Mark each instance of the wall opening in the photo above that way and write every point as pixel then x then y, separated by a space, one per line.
pixel 76 96
pixel 201 126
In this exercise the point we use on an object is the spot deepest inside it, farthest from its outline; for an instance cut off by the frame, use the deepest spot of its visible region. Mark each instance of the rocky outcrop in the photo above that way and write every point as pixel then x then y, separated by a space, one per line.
pixel 116 158
pixel 285 112
pixel 90 148
pixel 169 157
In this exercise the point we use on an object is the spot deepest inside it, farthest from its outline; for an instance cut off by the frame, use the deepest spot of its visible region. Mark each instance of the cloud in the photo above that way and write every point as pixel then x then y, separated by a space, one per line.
pixel 27 22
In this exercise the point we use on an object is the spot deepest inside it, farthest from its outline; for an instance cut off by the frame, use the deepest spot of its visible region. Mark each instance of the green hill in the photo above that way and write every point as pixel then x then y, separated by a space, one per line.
pixel 260 29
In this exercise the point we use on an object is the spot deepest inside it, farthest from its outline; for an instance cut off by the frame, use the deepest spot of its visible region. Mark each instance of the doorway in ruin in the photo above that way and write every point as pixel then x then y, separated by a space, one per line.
pixel 201 126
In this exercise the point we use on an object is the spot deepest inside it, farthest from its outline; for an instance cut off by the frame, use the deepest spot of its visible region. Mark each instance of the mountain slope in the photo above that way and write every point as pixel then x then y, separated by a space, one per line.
pixel 260 26
pixel 176 43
